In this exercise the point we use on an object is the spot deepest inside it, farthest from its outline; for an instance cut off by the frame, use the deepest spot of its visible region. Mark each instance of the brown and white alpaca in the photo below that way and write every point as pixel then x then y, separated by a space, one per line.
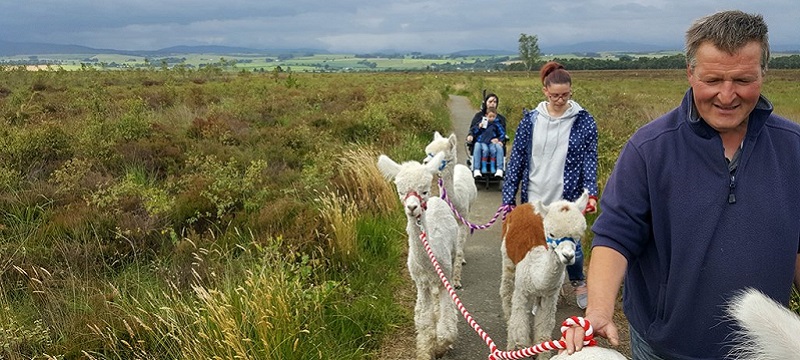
pixel 768 330
pixel 460 186
pixel 538 244
pixel 435 314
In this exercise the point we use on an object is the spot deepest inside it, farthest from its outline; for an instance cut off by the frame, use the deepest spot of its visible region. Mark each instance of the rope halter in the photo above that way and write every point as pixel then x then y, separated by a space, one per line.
pixel 441 166
pixel 554 242
pixel 422 202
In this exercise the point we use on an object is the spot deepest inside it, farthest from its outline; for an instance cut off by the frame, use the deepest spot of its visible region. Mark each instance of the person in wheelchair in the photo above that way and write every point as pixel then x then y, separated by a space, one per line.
pixel 490 101
pixel 488 153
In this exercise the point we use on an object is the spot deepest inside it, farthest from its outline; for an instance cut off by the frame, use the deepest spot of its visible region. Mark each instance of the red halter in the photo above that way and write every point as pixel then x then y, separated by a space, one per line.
pixel 423 204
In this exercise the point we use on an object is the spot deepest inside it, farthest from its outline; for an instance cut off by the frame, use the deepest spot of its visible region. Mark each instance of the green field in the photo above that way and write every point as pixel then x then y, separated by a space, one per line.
pixel 186 214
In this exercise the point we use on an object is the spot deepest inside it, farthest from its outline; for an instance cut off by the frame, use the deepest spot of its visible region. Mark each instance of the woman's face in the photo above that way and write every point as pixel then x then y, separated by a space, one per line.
pixel 558 94
pixel 491 102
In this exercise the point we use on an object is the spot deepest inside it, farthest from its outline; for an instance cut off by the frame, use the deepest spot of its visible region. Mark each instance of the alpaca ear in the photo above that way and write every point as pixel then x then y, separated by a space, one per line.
pixel 437 136
pixel 583 200
pixel 436 163
pixel 453 140
pixel 388 167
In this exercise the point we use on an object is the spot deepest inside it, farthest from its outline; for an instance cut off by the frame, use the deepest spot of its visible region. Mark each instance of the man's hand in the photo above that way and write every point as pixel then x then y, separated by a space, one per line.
pixel 603 327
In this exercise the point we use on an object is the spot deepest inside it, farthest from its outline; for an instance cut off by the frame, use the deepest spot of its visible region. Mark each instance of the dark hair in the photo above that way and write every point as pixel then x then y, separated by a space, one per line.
pixel 554 73
pixel 486 98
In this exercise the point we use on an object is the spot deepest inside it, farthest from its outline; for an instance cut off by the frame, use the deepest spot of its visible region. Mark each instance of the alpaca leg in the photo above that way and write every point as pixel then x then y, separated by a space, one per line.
pixel 458 259
pixel 545 320
pixel 507 287
pixel 462 240
pixel 447 326
pixel 519 324
pixel 425 322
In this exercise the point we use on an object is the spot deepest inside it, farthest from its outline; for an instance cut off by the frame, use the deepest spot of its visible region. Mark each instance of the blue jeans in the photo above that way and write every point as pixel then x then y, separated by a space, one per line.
pixel 479 151
pixel 487 151
pixel 640 349
pixel 575 271
pixel 496 151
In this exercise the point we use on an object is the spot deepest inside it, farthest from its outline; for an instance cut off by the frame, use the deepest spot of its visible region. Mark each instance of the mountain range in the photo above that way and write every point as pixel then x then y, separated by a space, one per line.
pixel 8 48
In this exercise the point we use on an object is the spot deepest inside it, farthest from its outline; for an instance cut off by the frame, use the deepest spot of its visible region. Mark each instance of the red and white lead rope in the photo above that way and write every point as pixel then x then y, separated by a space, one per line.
pixel 496 354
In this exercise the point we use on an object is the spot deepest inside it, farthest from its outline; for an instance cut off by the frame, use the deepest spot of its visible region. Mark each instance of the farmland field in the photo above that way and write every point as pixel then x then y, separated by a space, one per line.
pixel 188 213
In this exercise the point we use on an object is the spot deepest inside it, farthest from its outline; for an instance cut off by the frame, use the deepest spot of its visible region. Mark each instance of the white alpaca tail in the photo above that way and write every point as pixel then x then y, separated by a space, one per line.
pixel 768 330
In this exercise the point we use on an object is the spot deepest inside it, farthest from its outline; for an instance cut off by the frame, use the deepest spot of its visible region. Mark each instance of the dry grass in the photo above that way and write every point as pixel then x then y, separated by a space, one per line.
pixel 340 214
pixel 359 178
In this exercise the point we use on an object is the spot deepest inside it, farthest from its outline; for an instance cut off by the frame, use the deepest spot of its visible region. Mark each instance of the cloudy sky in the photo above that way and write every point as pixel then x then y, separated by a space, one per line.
pixel 437 26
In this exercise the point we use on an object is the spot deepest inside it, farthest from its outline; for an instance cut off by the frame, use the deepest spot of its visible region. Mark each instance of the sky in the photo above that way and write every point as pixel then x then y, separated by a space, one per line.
pixel 358 26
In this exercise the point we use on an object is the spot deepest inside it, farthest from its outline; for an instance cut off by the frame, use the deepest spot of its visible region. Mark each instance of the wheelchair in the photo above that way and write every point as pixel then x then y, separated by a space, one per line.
pixel 487 179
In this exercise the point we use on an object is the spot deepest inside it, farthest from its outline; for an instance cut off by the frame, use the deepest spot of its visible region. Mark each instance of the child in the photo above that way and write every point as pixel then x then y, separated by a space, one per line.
pixel 488 148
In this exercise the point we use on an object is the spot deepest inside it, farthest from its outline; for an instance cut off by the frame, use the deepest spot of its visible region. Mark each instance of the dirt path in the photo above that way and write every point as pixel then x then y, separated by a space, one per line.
pixel 481 275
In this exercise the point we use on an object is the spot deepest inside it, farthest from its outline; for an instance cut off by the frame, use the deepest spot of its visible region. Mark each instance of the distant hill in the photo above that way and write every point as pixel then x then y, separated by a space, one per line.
pixel 607 46
pixel 8 48
pixel 488 52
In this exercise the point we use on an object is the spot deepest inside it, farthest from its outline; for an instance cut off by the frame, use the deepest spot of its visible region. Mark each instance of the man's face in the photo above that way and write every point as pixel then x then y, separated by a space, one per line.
pixel 726 87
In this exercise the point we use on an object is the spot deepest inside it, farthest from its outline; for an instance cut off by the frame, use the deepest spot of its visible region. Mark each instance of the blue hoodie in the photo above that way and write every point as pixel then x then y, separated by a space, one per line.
pixel 692 234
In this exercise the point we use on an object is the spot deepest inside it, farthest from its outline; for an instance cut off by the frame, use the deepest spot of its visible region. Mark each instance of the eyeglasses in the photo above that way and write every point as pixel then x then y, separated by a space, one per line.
pixel 563 96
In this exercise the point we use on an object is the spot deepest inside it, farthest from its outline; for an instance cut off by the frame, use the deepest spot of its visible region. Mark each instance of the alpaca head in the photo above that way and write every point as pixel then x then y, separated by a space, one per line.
pixel 413 181
pixel 441 144
pixel 564 225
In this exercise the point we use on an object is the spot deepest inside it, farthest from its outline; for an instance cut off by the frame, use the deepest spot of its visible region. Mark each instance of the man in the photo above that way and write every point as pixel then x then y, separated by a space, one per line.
pixel 702 203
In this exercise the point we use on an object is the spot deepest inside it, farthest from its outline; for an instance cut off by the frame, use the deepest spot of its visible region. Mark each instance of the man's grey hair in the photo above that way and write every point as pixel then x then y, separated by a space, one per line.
pixel 728 31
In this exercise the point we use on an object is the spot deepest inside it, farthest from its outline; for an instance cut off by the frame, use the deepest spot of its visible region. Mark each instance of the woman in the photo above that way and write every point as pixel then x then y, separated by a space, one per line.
pixel 554 156
pixel 489 103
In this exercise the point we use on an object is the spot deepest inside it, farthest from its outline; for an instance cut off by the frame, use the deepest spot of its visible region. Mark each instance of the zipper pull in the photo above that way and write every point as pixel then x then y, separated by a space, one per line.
pixel 731 195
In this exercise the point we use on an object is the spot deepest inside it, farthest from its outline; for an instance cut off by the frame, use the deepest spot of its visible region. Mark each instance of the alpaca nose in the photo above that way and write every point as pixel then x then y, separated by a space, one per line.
pixel 412 208
pixel 569 257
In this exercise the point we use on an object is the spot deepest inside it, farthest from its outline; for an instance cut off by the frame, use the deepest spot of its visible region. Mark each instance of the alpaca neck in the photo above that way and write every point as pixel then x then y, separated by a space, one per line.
pixel 414 232
pixel 447 176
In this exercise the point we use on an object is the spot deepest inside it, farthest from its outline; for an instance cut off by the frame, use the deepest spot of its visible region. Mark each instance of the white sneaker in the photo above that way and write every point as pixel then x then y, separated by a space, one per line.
pixel 499 173
pixel 476 173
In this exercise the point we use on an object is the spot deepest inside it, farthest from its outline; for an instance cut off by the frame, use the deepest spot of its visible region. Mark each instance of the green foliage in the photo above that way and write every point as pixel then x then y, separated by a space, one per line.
pixel 157 207
pixel 529 50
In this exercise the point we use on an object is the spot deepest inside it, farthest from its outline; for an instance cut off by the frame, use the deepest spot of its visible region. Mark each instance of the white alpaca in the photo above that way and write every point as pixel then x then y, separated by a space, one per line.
pixel 460 186
pixel 538 244
pixel 435 314
pixel 769 331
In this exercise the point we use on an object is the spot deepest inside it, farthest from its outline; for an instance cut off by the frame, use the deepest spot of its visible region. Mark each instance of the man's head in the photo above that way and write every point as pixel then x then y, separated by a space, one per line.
pixel 728 31
pixel 726 56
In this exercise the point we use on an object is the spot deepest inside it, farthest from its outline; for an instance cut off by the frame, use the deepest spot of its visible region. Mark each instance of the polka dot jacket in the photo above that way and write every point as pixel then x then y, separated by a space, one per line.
pixel 580 169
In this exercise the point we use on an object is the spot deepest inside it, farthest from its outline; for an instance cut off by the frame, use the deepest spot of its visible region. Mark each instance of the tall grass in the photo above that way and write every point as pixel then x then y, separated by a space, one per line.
pixel 199 214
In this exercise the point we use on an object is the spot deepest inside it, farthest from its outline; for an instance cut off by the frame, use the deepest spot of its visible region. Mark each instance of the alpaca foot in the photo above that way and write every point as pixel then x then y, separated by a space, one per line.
pixel 442 348
pixel 457 284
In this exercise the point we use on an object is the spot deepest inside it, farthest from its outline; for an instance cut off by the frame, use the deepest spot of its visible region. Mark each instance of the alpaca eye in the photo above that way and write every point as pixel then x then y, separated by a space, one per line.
pixel 550 235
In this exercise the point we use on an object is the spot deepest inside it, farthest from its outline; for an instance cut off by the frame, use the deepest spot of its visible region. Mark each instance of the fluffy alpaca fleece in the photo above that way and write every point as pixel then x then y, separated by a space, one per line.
pixel 460 186
pixel 592 353
pixel 534 266
pixel 768 331
pixel 435 314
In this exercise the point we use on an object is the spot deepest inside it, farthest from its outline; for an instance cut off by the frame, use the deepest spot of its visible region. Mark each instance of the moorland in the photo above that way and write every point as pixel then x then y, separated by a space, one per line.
pixel 198 213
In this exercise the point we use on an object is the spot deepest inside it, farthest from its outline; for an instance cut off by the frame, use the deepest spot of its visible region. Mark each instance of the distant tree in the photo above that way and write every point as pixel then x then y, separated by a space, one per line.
pixel 529 51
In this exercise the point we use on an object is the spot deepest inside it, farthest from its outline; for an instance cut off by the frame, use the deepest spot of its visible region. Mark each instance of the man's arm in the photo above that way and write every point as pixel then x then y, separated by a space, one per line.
pixel 606 272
